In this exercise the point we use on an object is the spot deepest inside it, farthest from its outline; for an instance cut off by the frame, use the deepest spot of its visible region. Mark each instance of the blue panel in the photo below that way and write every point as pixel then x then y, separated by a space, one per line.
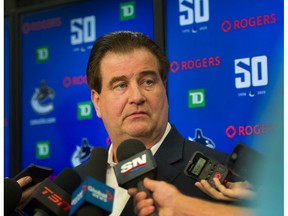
pixel 226 80
pixel 59 124
pixel 226 76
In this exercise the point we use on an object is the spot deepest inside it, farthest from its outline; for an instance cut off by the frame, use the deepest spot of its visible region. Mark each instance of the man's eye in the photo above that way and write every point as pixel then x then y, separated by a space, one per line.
pixel 120 86
pixel 148 82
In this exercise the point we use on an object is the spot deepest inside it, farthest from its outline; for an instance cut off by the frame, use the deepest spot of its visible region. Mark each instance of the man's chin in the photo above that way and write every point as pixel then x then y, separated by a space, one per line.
pixel 137 131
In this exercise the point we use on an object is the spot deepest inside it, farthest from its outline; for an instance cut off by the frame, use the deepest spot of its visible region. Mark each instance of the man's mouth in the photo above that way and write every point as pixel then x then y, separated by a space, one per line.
pixel 137 114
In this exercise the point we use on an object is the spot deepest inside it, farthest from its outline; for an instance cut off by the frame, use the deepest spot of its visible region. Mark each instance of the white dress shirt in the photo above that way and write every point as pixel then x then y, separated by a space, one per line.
pixel 121 195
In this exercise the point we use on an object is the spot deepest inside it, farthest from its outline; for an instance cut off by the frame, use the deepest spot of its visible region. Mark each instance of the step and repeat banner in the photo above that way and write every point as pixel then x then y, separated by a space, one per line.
pixel 226 74
pixel 225 81
pixel 59 123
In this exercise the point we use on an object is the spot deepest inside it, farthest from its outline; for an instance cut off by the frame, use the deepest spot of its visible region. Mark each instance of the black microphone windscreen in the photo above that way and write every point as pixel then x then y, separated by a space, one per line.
pixel 89 210
pixel 129 148
pixel 68 180
pixel 97 164
pixel 12 195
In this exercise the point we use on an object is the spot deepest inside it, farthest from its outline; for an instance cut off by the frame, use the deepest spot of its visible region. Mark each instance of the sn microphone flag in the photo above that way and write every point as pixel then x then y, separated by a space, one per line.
pixel 93 192
pixel 133 169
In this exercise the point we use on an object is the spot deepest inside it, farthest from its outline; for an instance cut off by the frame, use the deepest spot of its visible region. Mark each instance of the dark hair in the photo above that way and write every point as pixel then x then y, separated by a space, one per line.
pixel 121 42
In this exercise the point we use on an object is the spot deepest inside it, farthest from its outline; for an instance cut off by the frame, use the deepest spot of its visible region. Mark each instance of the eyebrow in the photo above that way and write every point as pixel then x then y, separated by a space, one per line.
pixel 116 79
pixel 145 73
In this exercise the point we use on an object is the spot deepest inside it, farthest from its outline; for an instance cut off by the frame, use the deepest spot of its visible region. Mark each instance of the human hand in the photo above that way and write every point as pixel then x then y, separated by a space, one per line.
pixel 164 197
pixel 231 192
pixel 26 193
pixel 24 181
pixel 143 206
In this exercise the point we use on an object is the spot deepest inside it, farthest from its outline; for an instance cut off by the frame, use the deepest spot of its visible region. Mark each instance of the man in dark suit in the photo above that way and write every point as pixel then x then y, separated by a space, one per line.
pixel 127 75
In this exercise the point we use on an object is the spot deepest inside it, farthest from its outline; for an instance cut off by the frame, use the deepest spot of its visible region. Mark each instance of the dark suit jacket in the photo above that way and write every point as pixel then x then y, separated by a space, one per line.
pixel 171 159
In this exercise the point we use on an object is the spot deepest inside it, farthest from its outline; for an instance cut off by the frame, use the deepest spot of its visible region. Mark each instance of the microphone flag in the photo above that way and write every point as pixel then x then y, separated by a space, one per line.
pixel 93 192
pixel 56 200
pixel 133 169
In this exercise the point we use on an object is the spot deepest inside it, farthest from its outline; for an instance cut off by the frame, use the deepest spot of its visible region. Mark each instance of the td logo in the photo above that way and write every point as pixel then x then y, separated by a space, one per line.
pixel 127 10
pixel 196 98
pixel 42 149
pixel 42 54
pixel 84 110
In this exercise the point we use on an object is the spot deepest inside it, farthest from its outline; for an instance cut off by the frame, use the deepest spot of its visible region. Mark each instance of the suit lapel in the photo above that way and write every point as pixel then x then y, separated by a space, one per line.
pixel 170 151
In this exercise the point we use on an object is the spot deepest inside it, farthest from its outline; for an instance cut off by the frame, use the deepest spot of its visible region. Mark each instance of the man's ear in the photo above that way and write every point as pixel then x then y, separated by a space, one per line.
pixel 95 98
pixel 165 83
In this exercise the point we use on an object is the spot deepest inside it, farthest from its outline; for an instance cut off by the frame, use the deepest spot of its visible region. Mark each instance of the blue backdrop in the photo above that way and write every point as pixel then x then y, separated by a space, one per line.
pixel 59 124
pixel 226 79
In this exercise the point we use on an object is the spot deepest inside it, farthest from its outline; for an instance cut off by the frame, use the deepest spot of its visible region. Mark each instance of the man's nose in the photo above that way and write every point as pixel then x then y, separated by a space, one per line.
pixel 136 94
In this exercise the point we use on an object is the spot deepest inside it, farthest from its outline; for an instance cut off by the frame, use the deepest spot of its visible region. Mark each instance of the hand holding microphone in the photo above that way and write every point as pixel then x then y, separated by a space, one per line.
pixel 26 192
pixel 53 197
pixel 165 195
pixel 15 194
pixel 12 195
pixel 135 163
pixel 231 191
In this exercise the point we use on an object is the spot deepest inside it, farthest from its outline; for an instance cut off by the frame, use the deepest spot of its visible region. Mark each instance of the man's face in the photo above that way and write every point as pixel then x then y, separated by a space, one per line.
pixel 133 101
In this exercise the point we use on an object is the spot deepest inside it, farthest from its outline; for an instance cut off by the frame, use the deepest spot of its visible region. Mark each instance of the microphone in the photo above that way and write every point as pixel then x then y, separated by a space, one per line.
pixel 247 163
pixel 135 163
pixel 93 197
pixel 12 195
pixel 53 198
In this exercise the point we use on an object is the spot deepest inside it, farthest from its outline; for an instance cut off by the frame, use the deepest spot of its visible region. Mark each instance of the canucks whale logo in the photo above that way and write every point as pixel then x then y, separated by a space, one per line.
pixel 41 100
pixel 199 138
pixel 82 153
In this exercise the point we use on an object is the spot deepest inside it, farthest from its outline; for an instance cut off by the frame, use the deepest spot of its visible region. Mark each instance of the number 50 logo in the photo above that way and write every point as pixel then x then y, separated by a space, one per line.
pixel 252 71
pixel 190 12
pixel 83 30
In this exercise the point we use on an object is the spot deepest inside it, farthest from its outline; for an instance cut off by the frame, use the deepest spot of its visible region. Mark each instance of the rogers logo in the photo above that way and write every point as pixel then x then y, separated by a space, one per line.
pixel 40 25
pixel 74 80
pixel 251 22
pixel 247 130
pixel 195 64
pixel 174 66
pixel 226 26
